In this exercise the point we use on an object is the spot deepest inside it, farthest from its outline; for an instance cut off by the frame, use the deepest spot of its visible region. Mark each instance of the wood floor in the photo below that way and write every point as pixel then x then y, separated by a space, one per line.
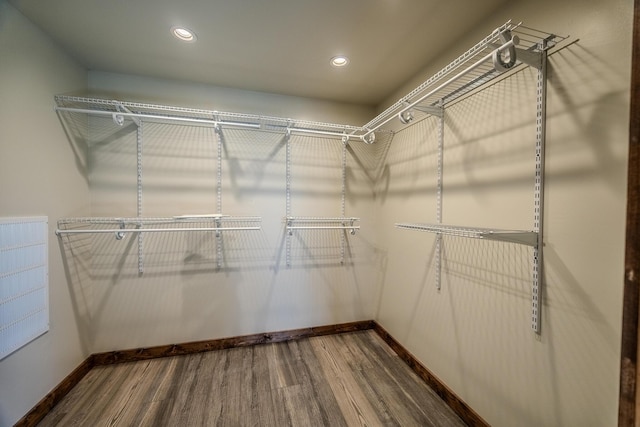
pixel 351 379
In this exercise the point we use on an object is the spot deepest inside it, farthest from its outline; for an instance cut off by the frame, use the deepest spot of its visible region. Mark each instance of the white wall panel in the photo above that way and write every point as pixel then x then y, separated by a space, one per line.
pixel 24 281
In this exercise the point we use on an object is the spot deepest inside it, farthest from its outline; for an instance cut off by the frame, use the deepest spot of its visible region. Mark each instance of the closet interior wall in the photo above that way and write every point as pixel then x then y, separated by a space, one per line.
pixel 473 333
pixel 196 285
pixel 42 173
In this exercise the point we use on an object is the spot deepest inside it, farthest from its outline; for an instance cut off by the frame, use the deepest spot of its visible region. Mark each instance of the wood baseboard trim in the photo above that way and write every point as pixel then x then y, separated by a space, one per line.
pixel 133 355
pixel 464 411
pixel 43 407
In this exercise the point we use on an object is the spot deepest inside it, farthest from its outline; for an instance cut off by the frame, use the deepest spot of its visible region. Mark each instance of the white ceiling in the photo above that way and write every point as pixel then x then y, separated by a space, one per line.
pixel 277 46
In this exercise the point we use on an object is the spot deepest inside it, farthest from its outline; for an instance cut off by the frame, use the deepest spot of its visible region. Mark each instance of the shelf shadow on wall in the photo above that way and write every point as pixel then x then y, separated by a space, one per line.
pixel 320 248
pixel 594 113
pixel 370 162
pixel 76 262
pixel 95 265
pixel 75 128
pixel 488 289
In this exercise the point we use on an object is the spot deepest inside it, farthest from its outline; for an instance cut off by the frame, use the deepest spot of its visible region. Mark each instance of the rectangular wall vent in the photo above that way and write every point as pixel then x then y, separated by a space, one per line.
pixel 24 281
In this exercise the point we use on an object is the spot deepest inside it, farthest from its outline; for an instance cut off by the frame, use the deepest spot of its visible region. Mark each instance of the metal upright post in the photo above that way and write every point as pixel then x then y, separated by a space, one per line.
pixel 541 113
pixel 288 195
pixel 139 140
pixel 439 194
pixel 345 142
pixel 218 133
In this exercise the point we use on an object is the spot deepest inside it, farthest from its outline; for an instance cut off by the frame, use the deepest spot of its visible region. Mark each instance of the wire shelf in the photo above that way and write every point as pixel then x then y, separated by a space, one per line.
pixel 322 223
pixel 119 110
pixel 472 69
pixel 524 237
pixel 182 223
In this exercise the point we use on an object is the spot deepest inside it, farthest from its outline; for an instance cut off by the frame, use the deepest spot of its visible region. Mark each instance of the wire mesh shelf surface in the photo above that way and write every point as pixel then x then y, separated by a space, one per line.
pixel 322 223
pixel 472 69
pixel 165 113
pixel 524 237
pixel 182 223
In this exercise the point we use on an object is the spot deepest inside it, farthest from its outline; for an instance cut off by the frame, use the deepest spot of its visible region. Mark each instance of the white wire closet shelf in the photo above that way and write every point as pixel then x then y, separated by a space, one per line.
pixel 524 237
pixel 497 54
pixel 322 223
pixel 503 50
pixel 119 111
pixel 181 223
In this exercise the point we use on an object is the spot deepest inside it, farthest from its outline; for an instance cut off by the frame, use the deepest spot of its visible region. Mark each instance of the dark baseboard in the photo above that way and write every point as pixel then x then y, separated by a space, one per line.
pixel 107 358
pixel 464 411
pixel 43 407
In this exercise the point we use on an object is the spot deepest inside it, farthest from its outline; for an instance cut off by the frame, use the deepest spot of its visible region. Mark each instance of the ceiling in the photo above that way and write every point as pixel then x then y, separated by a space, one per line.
pixel 276 46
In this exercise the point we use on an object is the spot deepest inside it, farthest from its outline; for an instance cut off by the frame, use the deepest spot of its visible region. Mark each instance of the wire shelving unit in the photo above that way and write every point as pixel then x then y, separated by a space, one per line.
pixel 500 53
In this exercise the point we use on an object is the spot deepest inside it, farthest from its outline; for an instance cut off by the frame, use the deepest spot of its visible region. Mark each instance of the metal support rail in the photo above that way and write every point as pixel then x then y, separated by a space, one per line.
pixel 322 132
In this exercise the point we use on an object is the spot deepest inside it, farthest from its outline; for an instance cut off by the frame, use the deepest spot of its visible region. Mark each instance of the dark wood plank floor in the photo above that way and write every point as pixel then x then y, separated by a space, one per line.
pixel 351 379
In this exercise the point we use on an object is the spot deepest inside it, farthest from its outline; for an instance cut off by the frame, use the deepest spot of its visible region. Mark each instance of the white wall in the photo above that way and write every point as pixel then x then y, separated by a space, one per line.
pixel 42 173
pixel 474 334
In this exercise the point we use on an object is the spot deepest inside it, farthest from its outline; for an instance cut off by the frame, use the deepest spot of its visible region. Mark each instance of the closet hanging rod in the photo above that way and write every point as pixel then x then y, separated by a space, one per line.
pixel 180 219
pixel 328 227
pixel 118 231
pixel 115 114
pixel 323 132
pixel 320 219
pixel 490 56
pixel 122 109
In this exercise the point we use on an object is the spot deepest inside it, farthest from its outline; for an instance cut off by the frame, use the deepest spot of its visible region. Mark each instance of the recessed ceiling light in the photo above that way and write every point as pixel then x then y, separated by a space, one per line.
pixel 339 61
pixel 184 34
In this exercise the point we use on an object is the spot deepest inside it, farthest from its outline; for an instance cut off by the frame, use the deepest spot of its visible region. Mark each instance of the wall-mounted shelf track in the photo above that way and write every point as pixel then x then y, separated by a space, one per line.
pixel 346 224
